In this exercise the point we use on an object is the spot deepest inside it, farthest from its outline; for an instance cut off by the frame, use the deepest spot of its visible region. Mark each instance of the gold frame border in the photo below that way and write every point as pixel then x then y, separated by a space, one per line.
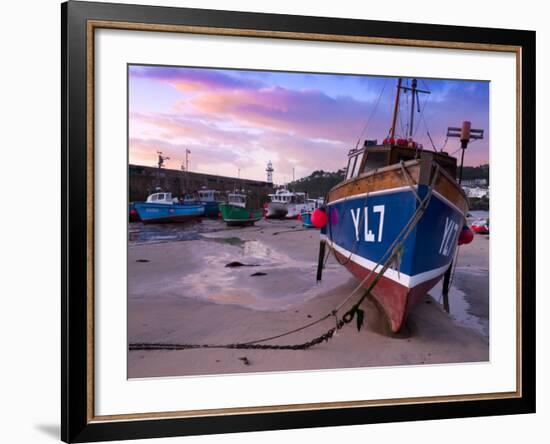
pixel 92 25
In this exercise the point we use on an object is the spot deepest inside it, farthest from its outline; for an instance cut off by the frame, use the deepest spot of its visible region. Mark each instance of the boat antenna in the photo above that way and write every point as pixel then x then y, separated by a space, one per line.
pixel 465 133
pixel 414 92
pixel 395 108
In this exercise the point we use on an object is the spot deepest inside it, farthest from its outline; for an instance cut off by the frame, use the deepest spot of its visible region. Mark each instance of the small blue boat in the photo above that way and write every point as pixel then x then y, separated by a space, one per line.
pixel 160 207
pixel 306 219
pixel 306 215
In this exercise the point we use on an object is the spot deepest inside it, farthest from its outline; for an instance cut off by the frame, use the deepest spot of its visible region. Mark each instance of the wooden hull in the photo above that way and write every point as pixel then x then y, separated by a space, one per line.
pixel 366 215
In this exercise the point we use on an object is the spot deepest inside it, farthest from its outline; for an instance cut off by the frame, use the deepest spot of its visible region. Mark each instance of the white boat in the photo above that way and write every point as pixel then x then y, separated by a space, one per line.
pixel 285 203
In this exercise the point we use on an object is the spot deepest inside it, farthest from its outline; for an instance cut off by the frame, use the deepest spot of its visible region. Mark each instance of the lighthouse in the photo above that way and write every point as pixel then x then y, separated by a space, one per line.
pixel 269 171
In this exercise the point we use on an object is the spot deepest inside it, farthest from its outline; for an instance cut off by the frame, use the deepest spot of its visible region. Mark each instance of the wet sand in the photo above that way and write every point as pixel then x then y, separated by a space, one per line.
pixel 182 292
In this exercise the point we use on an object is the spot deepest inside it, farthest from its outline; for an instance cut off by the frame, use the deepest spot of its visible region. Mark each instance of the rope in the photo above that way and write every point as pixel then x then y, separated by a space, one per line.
pixel 393 247
pixel 409 180
pixel 354 312
pixel 372 113
pixel 415 130
pixel 453 271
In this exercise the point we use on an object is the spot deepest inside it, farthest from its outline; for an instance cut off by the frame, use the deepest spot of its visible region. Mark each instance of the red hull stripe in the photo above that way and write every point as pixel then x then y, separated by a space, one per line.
pixel 394 299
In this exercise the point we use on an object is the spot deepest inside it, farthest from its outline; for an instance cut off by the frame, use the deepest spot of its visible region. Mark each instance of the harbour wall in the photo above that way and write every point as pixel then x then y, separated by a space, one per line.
pixel 144 180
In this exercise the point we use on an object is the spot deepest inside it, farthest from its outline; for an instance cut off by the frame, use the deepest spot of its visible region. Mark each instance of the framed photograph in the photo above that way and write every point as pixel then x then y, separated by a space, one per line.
pixel 275 221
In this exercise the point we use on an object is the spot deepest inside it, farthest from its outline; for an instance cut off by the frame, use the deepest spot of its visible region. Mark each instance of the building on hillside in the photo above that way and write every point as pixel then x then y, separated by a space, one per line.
pixel 476 192
pixel 474 182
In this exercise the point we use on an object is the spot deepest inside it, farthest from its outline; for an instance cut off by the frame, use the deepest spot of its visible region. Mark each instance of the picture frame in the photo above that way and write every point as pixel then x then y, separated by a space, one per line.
pixel 80 21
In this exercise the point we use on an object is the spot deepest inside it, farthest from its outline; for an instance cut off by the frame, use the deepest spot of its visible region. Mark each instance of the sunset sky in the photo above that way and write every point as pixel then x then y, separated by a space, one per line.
pixel 234 120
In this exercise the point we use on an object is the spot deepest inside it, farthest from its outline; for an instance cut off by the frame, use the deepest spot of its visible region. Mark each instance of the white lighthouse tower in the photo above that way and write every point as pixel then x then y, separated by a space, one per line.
pixel 269 171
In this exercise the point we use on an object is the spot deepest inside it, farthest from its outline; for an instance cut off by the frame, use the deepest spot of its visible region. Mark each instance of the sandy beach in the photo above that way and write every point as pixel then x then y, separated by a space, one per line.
pixel 181 291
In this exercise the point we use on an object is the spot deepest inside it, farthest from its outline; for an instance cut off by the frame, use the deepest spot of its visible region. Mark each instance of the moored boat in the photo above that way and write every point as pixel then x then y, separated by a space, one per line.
pixel 286 204
pixel 305 216
pixel 211 199
pixel 161 207
pixel 387 187
pixel 234 212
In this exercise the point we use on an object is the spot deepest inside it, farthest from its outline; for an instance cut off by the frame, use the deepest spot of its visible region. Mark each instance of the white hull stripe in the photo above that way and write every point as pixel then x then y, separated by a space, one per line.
pixel 401 278
pixel 372 193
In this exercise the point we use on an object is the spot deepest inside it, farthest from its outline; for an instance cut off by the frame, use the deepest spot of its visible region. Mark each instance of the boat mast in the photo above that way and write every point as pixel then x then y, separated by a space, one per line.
pixel 396 108
pixel 414 93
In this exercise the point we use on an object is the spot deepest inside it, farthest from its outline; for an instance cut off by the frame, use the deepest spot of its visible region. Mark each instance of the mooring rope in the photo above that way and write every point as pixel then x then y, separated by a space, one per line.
pixel 353 312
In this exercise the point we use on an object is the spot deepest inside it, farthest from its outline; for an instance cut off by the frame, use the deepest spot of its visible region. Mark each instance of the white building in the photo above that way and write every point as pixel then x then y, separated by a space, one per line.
pixel 477 192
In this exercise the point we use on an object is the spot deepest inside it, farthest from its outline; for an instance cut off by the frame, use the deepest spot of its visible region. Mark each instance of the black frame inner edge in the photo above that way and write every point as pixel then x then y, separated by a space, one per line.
pixel 74 425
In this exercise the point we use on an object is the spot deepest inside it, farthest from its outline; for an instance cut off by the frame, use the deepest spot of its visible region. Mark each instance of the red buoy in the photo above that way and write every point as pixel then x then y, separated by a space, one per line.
pixel 466 236
pixel 319 218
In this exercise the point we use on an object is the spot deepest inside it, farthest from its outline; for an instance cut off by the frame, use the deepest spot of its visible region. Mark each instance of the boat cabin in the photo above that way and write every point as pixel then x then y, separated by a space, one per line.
pixel 238 200
pixel 210 196
pixel 285 196
pixel 316 203
pixel 373 156
pixel 161 198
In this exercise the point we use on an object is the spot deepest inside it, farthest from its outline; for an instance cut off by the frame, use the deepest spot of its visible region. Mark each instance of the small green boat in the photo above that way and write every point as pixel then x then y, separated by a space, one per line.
pixel 234 212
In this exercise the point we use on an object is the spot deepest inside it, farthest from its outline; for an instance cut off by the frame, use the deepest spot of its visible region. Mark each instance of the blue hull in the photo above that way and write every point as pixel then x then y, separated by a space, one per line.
pixel 306 220
pixel 151 212
pixel 363 229
pixel 211 209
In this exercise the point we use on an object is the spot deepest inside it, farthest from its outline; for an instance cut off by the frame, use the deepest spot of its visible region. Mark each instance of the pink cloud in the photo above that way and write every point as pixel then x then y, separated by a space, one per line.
pixel 232 122
pixel 309 113
pixel 192 79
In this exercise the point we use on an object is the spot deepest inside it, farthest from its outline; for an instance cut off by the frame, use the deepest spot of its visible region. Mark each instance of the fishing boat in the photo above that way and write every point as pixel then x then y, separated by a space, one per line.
pixel 190 199
pixel 284 203
pixel 234 212
pixel 401 201
pixel 480 226
pixel 305 216
pixel 211 199
pixel 161 207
